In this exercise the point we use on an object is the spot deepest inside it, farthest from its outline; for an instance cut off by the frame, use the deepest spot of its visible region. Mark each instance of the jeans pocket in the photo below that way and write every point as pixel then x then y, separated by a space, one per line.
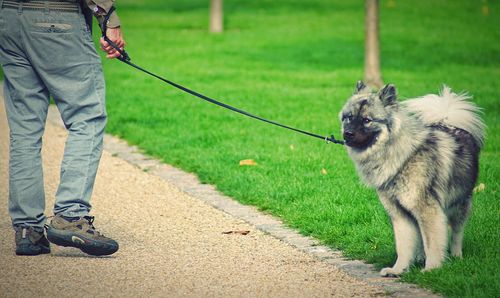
pixel 51 27
pixel 52 23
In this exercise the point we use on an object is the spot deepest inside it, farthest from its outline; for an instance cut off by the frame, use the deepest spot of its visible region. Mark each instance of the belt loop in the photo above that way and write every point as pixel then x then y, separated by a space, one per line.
pixel 20 8
pixel 1 4
pixel 47 7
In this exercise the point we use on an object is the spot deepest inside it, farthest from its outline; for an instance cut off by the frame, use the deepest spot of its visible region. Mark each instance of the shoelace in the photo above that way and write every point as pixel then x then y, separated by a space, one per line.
pixel 90 220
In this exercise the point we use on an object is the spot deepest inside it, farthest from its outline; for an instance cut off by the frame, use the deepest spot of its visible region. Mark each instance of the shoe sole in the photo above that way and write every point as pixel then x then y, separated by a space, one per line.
pixel 88 246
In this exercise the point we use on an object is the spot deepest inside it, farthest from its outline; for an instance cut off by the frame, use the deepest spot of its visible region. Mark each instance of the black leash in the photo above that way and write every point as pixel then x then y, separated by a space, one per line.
pixel 125 58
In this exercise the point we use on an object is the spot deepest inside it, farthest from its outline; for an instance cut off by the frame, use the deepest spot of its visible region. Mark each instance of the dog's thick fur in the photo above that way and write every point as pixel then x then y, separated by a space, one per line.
pixel 422 157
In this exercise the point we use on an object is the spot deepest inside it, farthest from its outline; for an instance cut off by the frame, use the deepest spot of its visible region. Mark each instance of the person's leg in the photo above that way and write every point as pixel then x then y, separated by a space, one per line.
pixel 63 53
pixel 69 66
pixel 26 102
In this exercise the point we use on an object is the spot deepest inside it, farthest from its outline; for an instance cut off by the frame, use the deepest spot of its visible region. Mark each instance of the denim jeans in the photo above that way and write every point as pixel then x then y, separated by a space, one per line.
pixel 50 53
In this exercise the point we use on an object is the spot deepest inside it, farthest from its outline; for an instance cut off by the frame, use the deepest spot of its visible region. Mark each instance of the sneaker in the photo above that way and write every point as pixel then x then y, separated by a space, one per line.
pixel 30 242
pixel 80 233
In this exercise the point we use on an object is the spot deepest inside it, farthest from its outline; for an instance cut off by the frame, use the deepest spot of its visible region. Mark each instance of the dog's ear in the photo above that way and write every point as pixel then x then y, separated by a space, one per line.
pixel 388 95
pixel 360 85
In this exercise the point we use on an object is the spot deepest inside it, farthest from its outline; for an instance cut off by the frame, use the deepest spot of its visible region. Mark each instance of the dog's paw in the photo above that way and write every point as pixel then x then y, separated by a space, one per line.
pixel 429 268
pixel 456 253
pixel 390 272
pixel 430 265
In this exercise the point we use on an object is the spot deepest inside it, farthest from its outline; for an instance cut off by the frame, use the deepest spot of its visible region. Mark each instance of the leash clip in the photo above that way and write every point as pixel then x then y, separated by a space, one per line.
pixel 332 139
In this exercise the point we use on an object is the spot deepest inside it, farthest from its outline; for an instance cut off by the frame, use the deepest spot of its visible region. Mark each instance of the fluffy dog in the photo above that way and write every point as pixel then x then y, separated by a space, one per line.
pixel 421 155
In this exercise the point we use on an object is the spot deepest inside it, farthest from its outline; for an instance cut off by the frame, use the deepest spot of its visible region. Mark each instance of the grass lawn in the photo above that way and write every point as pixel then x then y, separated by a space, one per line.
pixel 297 62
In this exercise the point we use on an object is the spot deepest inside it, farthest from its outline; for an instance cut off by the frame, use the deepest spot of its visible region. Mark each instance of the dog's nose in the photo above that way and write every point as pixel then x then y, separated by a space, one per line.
pixel 348 135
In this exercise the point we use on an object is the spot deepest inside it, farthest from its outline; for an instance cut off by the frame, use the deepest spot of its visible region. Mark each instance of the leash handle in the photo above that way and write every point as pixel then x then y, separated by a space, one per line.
pixel 124 57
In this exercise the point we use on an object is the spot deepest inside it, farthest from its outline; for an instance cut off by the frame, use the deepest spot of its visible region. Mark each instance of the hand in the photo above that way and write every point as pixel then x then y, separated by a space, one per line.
pixel 115 35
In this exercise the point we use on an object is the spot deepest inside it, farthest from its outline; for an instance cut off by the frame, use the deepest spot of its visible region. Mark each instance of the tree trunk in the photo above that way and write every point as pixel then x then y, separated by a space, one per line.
pixel 216 16
pixel 373 77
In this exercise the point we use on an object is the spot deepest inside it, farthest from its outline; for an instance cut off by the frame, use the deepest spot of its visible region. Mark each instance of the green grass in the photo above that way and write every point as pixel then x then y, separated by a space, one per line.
pixel 296 62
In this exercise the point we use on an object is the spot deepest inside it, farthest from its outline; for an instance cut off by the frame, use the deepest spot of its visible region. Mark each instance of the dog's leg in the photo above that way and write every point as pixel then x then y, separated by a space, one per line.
pixel 458 217
pixel 420 254
pixel 457 236
pixel 433 227
pixel 406 236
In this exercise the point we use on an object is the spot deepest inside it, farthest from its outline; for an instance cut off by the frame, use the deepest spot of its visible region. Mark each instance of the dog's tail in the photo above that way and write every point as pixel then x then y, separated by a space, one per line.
pixel 449 109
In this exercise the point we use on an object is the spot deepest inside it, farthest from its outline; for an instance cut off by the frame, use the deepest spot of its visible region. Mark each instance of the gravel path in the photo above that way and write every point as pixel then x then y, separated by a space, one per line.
pixel 171 244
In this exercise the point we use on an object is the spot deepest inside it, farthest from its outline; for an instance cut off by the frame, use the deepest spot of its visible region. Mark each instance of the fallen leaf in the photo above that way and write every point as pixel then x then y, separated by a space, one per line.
pixel 324 172
pixel 239 232
pixel 248 162
pixel 479 188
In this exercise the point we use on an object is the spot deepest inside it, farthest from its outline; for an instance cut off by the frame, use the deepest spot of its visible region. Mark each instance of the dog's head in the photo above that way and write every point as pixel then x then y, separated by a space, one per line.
pixel 368 115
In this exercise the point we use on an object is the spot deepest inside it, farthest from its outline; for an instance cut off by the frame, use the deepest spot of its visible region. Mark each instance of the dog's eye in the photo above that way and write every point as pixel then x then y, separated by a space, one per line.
pixel 367 120
pixel 347 117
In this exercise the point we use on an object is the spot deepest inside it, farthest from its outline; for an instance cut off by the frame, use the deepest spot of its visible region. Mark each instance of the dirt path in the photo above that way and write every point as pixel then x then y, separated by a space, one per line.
pixel 171 244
